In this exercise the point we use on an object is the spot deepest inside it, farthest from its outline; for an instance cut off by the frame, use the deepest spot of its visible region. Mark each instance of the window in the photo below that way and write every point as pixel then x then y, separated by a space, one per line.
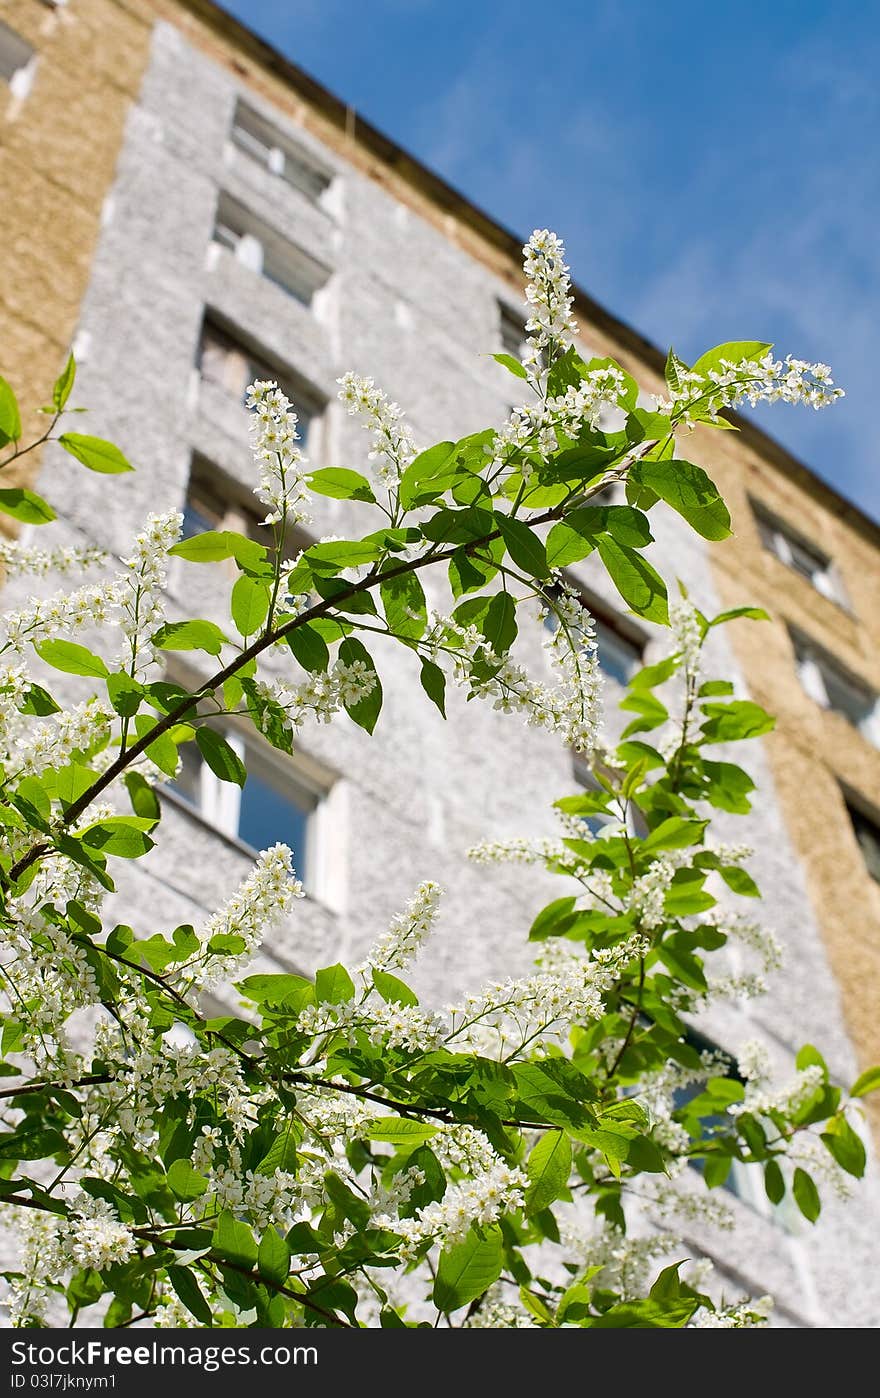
pixel 214 501
pixel 279 154
pixel 17 61
pixel 795 552
pixel 511 330
pixel 268 252
pixel 231 365
pixel 867 832
pixel 276 803
pixel 826 681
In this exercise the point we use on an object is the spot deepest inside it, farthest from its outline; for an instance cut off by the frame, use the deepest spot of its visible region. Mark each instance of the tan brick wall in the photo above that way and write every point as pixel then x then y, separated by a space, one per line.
pixel 58 150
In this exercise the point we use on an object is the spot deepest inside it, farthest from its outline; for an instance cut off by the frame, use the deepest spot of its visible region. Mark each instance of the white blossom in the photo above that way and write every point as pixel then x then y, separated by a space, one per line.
pixel 393 447
pixel 283 486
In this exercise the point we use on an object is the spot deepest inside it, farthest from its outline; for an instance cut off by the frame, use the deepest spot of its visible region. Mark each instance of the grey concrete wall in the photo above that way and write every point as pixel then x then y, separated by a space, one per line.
pixel 410 308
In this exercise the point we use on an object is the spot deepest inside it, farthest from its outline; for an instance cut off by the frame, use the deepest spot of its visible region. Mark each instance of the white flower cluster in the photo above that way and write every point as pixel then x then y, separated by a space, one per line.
pixel 141 594
pixel 536 427
pixel 321 695
pixel 253 910
pixel 499 1315
pixel 571 708
pixel 17 558
pixel 761 1101
pixel 508 1014
pixel 53 742
pixel 480 1199
pixel 52 1245
pixel 648 894
pixel 626 1259
pixel 687 634
pixel 387 1025
pixel 518 850
pixel 548 292
pixel 393 447
pixel 765 380
pixel 60 615
pixel 407 931
pixel 96 1238
pixel 745 1315
pixel 758 939
pixel 283 486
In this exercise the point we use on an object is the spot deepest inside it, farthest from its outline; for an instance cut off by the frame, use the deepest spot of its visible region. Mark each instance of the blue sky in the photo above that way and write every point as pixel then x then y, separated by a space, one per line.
pixel 713 169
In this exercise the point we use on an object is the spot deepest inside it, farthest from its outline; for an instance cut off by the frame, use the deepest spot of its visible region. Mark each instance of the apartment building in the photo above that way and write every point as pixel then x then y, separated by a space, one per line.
pixel 190 210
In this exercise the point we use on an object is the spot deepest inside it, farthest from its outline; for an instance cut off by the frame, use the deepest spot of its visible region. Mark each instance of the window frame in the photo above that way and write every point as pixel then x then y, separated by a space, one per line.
pixel 219 803
pixel 281 155
pixel 18 61
pixel 309 405
pixel 236 508
pixel 265 250
pixel 511 319
pixel 784 541
pixel 862 817
pixel 815 665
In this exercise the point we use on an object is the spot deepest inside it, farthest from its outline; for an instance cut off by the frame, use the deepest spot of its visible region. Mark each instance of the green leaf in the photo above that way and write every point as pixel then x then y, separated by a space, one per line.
pixel 433 682
pixel 740 881
pixel 124 836
pixel 524 547
pixel 213 545
pixel 341 484
pixel 333 985
pixel 740 718
pixel 24 505
pixel 273 1257
pixel 190 635
pixel 774 1183
pixel 10 417
pixel 249 604
pixel 733 352
pixel 402 1132
pixel 393 990
pixel 189 1292
pixel 366 711
pixel 548 1169
pixel 71 658
pixel 309 647
pixel 499 623
pixel 508 361
pixel 674 833
pixel 675 371
pixel 235 1240
pixel 637 582
pixel 689 491
pixel 275 989
pixel 144 801
pixel 403 600
pixel 582 529
pixel 64 384
pixel 469 1268
pixel 186 1183
pixel 806 1195
pixel 846 1146
pixel 95 453
pixel 220 756
pixel 281 1155
pixel 125 694
pixel 429 475
pixel 754 614
pixel 39 701
pixel 866 1082
pixel 71 781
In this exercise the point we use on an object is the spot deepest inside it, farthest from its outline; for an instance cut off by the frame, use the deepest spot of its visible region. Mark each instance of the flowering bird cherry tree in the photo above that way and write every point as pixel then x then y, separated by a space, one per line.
pixel 331 1152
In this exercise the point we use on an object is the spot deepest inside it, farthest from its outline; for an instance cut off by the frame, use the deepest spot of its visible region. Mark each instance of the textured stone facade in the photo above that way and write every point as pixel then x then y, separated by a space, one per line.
pixel 412 298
